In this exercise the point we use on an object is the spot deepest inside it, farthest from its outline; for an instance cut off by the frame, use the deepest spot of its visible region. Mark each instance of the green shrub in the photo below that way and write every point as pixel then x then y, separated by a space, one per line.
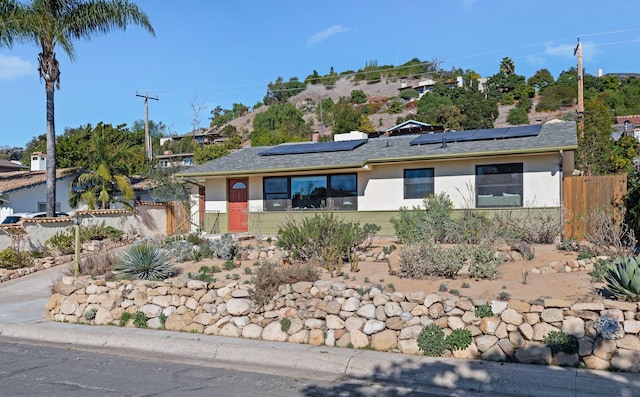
pixel 584 255
pixel 483 311
pixel 458 339
pixel 599 270
pixel 325 239
pixel 622 277
pixel 63 242
pixel 8 259
pixel 99 232
pixel 146 261
pixel 285 324
pixel 229 265
pixel 124 318
pixel 90 314
pixel 431 223
pixel 431 341
pixel 424 260
pixel 558 341
pixel 140 319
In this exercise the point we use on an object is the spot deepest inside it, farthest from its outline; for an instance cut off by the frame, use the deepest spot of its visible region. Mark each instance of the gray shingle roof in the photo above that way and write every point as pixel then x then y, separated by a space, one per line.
pixel 553 136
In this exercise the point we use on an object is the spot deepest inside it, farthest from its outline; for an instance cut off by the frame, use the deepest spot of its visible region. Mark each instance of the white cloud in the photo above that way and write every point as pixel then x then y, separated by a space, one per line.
pixel 12 67
pixel 589 50
pixel 325 34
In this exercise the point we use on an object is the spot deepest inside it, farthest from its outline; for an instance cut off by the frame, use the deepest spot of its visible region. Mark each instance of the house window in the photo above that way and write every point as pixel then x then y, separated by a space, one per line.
pixel 42 207
pixel 343 191
pixel 187 162
pixel 308 192
pixel 418 183
pixel 499 185
pixel 276 194
pixel 311 192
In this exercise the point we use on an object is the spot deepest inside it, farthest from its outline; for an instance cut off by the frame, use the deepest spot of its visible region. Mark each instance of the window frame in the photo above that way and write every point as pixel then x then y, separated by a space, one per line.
pixel 511 192
pixel 274 200
pixel 407 182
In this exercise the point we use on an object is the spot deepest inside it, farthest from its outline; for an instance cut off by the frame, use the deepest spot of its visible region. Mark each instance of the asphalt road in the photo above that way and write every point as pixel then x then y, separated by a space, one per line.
pixel 40 370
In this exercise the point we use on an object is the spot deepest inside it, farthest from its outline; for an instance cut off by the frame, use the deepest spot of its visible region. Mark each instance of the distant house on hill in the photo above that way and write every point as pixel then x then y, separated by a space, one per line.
pixel 628 125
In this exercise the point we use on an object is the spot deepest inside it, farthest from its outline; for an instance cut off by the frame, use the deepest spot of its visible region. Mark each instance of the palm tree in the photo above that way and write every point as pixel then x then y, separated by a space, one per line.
pixel 51 23
pixel 104 184
pixel 507 67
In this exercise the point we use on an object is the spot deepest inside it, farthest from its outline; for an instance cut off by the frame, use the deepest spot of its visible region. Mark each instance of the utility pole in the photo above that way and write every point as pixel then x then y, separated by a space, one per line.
pixel 147 138
pixel 578 51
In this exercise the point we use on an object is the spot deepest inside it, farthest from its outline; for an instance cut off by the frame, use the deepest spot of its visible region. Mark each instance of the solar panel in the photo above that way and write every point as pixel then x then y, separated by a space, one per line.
pixel 494 133
pixel 525 130
pixel 320 147
pixel 424 139
pixel 460 136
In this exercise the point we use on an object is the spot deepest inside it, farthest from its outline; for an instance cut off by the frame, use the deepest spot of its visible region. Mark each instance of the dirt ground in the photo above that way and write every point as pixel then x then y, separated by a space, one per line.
pixel 576 286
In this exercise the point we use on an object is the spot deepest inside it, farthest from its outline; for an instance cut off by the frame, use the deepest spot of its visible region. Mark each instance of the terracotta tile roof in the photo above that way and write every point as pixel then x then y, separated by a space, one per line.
pixel 16 180
pixel 633 119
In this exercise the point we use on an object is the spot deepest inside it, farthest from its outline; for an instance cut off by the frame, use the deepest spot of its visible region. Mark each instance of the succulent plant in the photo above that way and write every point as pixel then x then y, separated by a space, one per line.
pixel 146 261
pixel 608 327
pixel 623 278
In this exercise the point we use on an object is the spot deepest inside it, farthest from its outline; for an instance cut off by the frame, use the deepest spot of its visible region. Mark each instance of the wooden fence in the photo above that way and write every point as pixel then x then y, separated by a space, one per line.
pixel 582 194
pixel 178 218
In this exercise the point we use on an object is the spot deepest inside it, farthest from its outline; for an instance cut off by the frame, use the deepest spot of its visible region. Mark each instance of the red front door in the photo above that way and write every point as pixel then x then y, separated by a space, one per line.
pixel 238 206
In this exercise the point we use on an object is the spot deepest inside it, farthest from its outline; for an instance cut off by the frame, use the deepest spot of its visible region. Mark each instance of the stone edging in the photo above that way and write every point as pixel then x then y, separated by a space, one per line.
pixel 345 315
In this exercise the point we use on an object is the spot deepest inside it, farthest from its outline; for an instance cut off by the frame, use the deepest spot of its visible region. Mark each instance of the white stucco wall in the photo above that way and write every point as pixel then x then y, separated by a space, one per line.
pixel 382 187
pixel 216 195
pixel 26 200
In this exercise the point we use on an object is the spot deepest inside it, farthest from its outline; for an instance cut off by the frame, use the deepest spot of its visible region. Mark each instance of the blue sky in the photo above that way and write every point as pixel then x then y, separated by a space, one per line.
pixel 209 53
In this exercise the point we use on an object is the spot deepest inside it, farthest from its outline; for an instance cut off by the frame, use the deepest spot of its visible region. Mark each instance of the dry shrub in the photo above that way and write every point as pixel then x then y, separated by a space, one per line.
pixel 533 226
pixel 607 234
pixel 98 264
pixel 270 276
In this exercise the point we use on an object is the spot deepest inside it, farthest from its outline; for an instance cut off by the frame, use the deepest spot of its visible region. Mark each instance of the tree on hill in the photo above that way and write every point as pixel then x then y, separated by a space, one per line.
pixel 541 79
pixel 280 123
pixel 279 91
pixel 56 23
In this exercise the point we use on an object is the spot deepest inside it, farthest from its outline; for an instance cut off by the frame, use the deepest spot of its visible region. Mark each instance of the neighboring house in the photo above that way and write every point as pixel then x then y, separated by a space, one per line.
pixel 202 136
pixel 6 166
pixel 427 85
pixel 25 191
pixel 369 180
pixel 169 159
pixel 628 125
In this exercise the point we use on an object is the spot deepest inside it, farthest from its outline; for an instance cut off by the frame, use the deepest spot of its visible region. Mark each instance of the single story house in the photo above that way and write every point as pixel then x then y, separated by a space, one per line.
pixel 26 191
pixel 370 179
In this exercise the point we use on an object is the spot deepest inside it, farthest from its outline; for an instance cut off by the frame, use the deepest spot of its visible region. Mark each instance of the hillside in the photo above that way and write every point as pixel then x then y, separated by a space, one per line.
pixel 382 121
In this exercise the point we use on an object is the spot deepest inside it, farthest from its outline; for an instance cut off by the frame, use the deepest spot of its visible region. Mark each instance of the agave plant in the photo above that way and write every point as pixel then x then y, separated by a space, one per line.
pixel 146 261
pixel 623 278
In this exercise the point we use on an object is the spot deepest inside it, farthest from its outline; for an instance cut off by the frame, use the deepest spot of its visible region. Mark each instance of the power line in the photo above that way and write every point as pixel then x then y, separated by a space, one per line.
pixel 167 91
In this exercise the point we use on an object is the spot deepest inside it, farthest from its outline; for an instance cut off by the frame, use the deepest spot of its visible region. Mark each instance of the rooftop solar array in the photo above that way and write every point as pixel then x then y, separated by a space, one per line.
pixel 478 135
pixel 319 147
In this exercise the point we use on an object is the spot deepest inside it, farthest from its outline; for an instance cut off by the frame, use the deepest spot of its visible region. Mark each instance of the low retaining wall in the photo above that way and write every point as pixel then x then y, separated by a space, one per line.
pixel 345 315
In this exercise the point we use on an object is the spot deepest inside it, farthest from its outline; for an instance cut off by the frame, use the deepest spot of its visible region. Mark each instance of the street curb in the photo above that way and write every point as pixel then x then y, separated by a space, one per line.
pixel 324 362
